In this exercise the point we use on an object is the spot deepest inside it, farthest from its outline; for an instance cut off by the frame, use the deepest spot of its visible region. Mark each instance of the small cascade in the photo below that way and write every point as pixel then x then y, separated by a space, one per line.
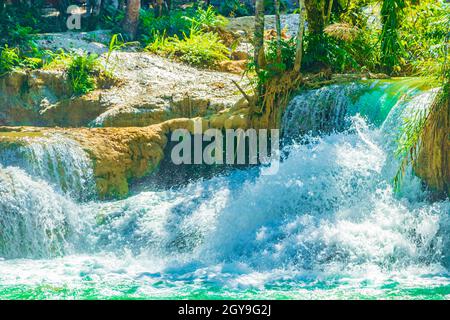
pixel 325 110
pixel 35 221
pixel 56 159
pixel 406 108
pixel 318 111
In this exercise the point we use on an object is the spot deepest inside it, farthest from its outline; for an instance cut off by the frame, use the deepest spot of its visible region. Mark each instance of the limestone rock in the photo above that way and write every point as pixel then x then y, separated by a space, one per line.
pixel 433 163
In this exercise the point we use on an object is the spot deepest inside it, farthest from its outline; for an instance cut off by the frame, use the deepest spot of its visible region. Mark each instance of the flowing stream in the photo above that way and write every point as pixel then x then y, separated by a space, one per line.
pixel 328 225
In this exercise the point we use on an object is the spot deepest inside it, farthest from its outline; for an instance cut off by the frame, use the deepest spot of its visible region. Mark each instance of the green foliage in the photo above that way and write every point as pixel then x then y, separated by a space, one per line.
pixel 19 58
pixel 206 19
pixel 19 34
pixel 423 32
pixel 191 39
pixel 197 48
pixel 270 6
pixel 161 44
pixel 150 26
pixel 235 8
pixel 392 49
pixel 274 66
pixel 323 51
pixel 111 18
pixel 200 49
pixel 59 60
pixel 80 73
pixel 179 22
pixel 20 20
pixel 408 142
pixel 9 59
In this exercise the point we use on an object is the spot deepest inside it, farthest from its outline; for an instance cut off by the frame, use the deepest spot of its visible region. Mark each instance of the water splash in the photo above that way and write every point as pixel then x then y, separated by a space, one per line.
pixel 56 159
pixel 35 221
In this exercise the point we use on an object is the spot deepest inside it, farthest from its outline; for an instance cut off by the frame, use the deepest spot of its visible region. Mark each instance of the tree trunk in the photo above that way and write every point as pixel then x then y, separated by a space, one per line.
pixel 330 7
pixel 391 46
pixel 62 8
pixel 301 28
pixel 259 35
pixel 132 18
pixel 278 28
pixel 315 15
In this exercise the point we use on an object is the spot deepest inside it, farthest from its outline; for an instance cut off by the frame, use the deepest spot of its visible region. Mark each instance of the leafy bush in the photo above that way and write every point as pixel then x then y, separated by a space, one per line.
pixel 80 73
pixel 235 8
pixel 206 19
pixel 324 51
pixel 198 48
pixel 150 26
pixel 360 44
pixel 179 22
pixel 423 33
pixel 111 18
pixel 288 50
pixel 9 59
pixel 161 44
pixel 59 60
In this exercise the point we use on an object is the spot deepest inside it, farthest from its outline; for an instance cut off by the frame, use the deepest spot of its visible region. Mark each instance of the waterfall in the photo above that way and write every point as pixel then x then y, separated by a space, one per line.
pixel 325 110
pixel 56 159
pixel 35 221
pixel 318 111
pixel 328 221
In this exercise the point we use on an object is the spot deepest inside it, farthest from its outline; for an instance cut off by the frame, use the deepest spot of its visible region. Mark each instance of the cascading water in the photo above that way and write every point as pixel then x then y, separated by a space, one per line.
pixel 34 220
pixel 57 160
pixel 328 225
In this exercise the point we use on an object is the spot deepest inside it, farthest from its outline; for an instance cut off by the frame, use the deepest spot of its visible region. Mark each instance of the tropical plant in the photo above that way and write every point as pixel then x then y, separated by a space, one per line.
pixel 179 22
pixel 235 8
pixel 59 60
pixel 80 73
pixel 280 56
pixel 206 19
pixel 196 48
pixel 413 129
pixel 423 33
pixel 324 51
pixel 392 49
pixel 9 59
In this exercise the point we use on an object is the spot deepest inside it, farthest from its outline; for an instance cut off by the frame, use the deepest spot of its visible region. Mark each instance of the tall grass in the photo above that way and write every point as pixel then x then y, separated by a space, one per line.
pixel 80 73
pixel 196 48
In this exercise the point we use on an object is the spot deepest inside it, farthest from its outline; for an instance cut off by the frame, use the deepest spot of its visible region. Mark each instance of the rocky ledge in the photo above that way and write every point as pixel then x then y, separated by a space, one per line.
pixel 151 90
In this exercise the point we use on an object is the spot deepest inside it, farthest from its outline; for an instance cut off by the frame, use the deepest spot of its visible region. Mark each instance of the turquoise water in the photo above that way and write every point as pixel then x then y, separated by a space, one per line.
pixel 327 226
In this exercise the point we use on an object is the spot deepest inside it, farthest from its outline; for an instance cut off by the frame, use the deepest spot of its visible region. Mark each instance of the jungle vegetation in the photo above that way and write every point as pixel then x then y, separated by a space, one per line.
pixel 397 37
